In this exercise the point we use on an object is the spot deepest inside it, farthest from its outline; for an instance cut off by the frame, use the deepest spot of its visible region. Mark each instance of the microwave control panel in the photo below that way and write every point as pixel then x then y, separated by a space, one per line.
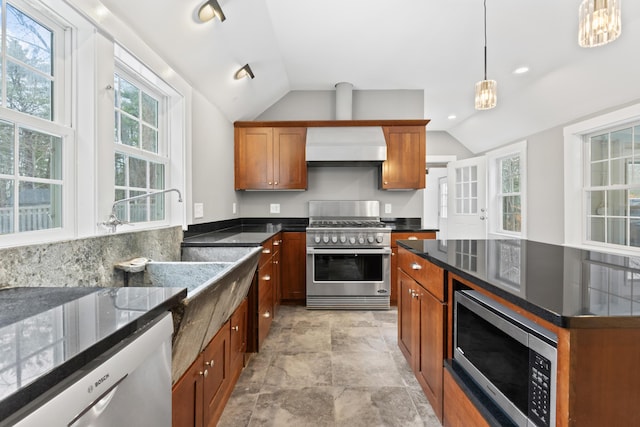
pixel 539 389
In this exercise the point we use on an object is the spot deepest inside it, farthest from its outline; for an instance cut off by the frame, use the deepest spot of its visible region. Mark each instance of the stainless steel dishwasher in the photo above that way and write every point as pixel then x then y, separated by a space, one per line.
pixel 130 385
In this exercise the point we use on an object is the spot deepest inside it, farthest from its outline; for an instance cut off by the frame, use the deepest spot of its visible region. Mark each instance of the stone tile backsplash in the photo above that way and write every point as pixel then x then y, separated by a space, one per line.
pixel 87 262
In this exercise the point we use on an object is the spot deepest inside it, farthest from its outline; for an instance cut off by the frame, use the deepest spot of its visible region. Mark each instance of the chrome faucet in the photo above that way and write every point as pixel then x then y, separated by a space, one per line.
pixel 113 221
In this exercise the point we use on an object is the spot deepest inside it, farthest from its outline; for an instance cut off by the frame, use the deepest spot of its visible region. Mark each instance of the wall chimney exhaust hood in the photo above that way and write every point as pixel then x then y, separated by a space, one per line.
pixel 345 145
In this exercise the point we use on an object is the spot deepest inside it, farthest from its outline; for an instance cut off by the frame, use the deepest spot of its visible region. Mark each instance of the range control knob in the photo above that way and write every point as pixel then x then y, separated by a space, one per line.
pixel 379 238
pixel 334 239
pixel 343 238
pixel 325 239
pixel 317 239
pixel 361 240
pixel 370 239
pixel 352 240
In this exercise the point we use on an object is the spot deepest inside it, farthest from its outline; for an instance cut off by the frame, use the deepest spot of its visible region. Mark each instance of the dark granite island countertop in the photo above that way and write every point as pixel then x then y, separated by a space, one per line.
pixel 569 287
pixel 244 232
pixel 48 333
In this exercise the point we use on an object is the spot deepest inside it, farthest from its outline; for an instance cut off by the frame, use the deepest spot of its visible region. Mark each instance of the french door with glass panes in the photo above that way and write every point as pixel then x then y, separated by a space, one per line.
pixel 467 210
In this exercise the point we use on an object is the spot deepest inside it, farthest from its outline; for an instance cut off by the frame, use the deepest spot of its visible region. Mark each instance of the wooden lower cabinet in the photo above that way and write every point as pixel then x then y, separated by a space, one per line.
pixel 421 324
pixel 403 235
pixel 199 396
pixel 458 409
pixel 293 256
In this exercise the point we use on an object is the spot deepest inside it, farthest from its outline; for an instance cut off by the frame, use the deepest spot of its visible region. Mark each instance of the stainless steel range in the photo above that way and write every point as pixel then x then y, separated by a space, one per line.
pixel 348 256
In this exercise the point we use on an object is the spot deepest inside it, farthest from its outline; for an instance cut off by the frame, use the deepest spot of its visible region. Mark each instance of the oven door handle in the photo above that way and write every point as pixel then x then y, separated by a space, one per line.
pixel 354 251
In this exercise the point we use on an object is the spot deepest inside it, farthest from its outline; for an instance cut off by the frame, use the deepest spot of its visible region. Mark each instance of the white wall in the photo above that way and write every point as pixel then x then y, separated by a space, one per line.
pixel 212 162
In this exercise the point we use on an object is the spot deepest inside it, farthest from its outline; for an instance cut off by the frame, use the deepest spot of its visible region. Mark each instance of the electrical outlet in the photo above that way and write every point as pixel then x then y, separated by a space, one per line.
pixel 274 208
pixel 234 208
pixel 198 210
pixel 387 208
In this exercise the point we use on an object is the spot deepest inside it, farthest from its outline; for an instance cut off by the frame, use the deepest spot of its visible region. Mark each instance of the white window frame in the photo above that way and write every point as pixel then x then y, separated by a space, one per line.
pixel 575 205
pixel 495 201
pixel 171 146
pixel 49 13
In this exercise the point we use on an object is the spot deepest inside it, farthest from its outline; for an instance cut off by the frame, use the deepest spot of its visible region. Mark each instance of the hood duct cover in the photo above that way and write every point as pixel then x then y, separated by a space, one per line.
pixel 346 144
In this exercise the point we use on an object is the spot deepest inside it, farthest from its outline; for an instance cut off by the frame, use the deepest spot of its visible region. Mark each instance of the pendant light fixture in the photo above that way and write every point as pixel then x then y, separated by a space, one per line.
pixel 243 72
pixel 599 22
pixel 485 89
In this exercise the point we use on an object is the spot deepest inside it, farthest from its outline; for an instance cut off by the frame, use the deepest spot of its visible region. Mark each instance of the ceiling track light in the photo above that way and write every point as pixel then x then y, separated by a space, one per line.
pixel 486 97
pixel 244 72
pixel 211 9
pixel 599 22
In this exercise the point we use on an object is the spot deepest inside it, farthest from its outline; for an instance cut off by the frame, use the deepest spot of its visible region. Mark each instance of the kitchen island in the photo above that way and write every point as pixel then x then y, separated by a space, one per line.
pixel 589 300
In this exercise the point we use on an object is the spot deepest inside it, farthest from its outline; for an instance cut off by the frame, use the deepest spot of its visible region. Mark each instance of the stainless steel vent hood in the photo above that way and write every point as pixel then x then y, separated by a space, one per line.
pixel 346 144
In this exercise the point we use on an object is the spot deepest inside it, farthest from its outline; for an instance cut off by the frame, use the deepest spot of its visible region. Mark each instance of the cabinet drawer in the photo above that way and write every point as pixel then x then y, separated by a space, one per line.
pixel 422 271
pixel 414 235
pixel 267 252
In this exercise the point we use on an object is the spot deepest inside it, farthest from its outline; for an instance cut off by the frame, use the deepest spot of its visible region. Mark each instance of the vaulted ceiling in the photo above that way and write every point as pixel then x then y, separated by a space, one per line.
pixel 431 45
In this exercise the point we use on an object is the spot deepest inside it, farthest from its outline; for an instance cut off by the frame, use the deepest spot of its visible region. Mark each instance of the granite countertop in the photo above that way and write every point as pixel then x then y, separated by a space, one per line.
pixel 255 231
pixel 566 286
pixel 48 333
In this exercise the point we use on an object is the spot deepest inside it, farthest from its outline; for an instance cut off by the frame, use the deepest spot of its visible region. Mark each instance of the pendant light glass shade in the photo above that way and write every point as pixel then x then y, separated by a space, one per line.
pixel 486 93
pixel 486 97
pixel 599 22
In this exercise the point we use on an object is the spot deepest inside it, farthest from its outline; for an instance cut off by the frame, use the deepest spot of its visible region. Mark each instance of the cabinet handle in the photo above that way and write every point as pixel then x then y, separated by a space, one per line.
pixel 275 262
pixel 276 242
pixel 275 183
pixel 235 328
pixel 266 251
pixel 416 266
pixel 269 182
pixel 266 277
pixel 205 373
pixel 209 363
pixel 386 182
pixel 266 315
pixel 412 238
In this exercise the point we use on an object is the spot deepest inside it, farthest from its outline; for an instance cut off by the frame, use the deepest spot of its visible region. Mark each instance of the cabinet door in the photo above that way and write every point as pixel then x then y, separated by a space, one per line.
pixel 293 276
pixel 216 375
pixel 394 276
pixel 405 166
pixel 276 272
pixel 186 397
pixel 290 165
pixel 238 338
pixel 253 158
pixel 408 317
pixel 265 301
pixel 430 362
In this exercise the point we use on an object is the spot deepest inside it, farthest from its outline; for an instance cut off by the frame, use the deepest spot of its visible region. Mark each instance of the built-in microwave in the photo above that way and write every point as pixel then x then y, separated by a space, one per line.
pixel 512 359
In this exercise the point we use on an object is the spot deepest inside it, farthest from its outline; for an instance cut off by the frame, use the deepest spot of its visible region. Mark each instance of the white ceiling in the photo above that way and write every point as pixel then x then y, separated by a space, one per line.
pixel 432 45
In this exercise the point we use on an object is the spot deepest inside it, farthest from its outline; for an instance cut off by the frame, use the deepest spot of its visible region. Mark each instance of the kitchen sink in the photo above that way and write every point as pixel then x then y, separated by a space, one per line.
pixel 217 280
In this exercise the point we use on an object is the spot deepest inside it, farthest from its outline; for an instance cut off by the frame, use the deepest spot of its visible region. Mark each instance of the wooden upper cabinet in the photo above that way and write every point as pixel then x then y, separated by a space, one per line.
pixel 268 158
pixel 405 166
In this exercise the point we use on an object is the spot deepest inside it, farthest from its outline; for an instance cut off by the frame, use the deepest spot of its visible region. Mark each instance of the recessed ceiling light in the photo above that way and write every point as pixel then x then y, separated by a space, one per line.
pixel 521 70
pixel 451 116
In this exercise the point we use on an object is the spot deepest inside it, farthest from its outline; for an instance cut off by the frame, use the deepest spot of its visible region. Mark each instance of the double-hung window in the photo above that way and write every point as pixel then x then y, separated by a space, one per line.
pixel 141 159
pixel 35 136
pixel 507 174
pixel 612 185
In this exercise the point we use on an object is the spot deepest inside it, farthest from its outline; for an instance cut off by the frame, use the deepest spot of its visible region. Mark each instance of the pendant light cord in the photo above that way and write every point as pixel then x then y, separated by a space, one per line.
pixel 485 39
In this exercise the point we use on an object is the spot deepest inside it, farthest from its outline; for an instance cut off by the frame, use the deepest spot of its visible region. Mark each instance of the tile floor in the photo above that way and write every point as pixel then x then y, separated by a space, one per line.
pixel 329 368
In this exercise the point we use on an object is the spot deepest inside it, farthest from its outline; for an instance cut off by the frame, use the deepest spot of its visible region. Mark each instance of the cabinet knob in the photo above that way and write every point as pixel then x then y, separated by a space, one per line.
pixel 266 251
pixel 266 277
pixel 276 242
pixel 275 262
pixel 269 182
pixel 386 182
pixel 266 315
pixel 416 266
pixel 209 363
pixel 235 328
pixel 205 373
pixel 275 183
